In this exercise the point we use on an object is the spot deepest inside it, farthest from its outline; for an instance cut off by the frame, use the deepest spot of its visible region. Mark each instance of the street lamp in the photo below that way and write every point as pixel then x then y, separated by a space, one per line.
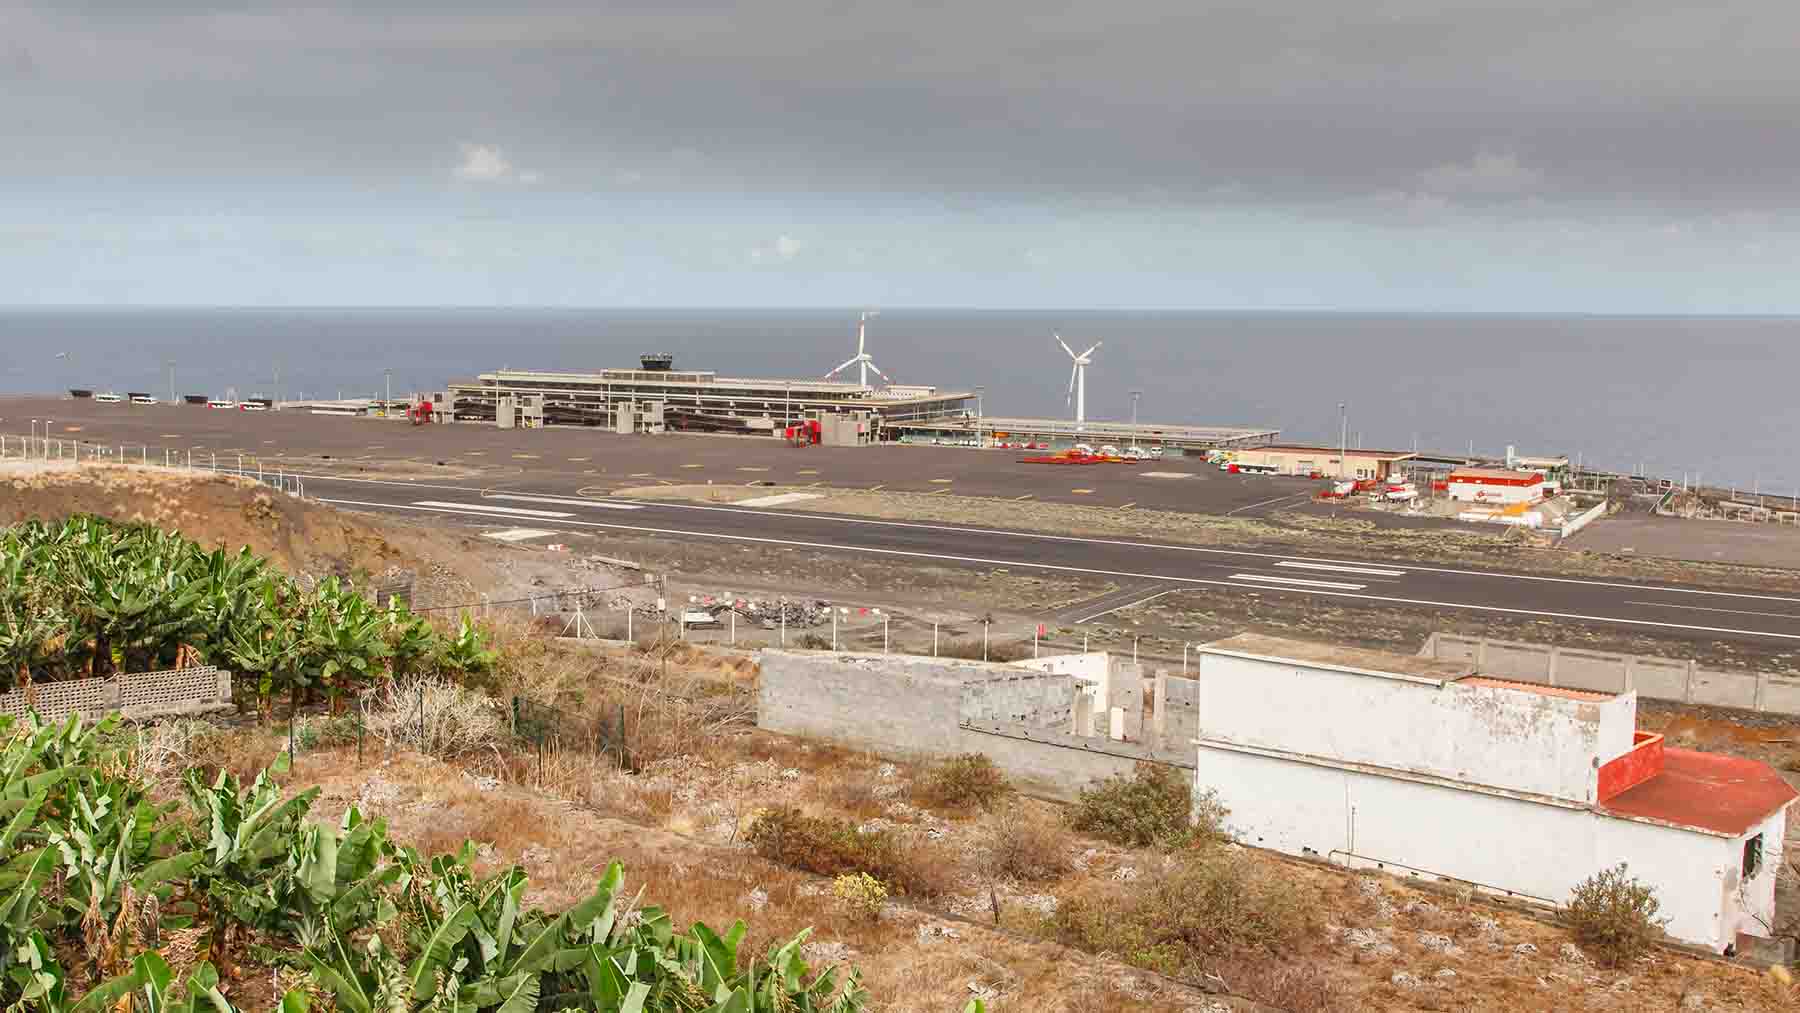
pixel 979 389
pixel 1134 405
pixel 385 405
pixel 1343 438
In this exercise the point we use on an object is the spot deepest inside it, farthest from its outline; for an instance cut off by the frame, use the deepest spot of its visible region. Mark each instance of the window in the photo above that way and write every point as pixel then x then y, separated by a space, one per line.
pixel 1753 857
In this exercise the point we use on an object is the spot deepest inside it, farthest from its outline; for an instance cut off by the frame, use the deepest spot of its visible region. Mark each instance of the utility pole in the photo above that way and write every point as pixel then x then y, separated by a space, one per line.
pixel 388 375
pixel 1343 438
pixel 979 413
pixel 1134 406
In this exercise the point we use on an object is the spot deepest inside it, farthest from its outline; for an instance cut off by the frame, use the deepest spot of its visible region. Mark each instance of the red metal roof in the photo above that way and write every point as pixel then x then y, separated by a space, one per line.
pixel 1707 791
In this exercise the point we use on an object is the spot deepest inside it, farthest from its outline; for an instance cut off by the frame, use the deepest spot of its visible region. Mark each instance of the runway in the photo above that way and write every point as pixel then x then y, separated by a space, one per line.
pixel 1144 569
pixel 560 479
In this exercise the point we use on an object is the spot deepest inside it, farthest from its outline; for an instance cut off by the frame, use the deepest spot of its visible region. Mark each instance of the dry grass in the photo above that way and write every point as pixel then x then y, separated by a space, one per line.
pixel 1026 843
pixel 908 863
pixel 963 782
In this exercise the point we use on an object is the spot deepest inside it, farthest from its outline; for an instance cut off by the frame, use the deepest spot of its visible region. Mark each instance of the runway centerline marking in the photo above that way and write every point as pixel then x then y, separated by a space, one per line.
pixel 562 501
pixel 1364 570
pixel 477 508
pixel 1059 568
pixel 1297 582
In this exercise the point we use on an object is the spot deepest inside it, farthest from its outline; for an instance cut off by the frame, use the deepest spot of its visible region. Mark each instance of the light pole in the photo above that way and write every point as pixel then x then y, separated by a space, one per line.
pixel 980 388
pixel 1343 438
pixel 388 374
pixel 1134 406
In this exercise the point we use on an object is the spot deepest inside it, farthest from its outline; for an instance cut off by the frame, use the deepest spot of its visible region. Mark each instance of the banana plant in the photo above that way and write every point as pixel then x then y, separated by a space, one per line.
pixel 410 639
pixel 153 982
pixel 342 643
pixel 343 875
pixel 243 838
pixel 465 652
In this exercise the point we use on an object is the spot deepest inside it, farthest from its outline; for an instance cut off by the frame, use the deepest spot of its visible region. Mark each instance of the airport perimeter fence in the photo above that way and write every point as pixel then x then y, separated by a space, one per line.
pixel 70 451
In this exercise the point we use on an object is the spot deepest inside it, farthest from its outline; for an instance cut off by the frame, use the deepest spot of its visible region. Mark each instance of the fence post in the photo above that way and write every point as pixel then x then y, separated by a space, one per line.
pixel 1084 644
pixel 984 640
pixel 422 748
pixel 934 639
pixel 1184 650
pixel 1134 643
pixel 734 626
pixel 784 623
pixel 834 629
pixel 884 634
pixel 1034 640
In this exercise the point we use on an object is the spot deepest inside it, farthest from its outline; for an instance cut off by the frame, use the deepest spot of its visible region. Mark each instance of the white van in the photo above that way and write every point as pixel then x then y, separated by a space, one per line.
pixel 142 399
pixel 108 398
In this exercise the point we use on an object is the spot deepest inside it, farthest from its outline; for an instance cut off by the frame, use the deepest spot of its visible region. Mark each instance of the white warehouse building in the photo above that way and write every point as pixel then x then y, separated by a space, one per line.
pixel 1426 768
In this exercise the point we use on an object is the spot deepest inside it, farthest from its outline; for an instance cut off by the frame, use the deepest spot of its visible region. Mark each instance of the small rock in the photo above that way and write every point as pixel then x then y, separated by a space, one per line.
pixel 1572 953
pixel 1420 907
pixel 1369 941
pixel 790 774
pixel 1693 1000
pixel 1437 942
pixel 757 899
pixel 1401 979
pixel 1445 975
pixel 934 931
pixel 534 855
pixel 826 953
pixel 1125 874
pixel 1485 927
pixel 1524 949
pixel 886 770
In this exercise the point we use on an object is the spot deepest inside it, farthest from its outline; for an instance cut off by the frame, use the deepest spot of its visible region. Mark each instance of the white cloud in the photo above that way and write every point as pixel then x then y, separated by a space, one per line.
pixel 1489 173
pixel 486 163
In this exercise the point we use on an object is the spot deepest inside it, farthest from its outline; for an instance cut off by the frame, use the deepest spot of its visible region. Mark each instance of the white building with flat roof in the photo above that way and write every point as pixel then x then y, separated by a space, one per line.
pixel 1427 768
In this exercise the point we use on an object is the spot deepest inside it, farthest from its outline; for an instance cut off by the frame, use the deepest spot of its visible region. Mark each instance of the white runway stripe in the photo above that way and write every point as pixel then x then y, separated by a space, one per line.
pixel 1339 568
pixel 1297 582
pixel 482 508
pixel 562 501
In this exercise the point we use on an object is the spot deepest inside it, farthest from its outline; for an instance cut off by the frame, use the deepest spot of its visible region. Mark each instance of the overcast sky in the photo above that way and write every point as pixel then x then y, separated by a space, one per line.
pixel 1516 155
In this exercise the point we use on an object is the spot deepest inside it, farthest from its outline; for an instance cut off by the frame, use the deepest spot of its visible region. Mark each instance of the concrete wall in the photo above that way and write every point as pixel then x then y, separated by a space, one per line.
pixel 1506 738
pixel 1656 678
pixel 1177 709
pixel 926 708
pixel 1500 843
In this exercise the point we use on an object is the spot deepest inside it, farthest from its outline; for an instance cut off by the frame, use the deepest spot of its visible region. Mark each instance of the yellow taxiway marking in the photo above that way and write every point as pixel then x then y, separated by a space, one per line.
pixel 1081 492
pixel 752 469
pixel 878 488
pixel 473 453
pixel 525 457
pixel 642 474
pixel 937 492
pixel 1129 505
pixel 693 466
pixel 940 481
pixel 807 471
pixel 376 446
pixel 578 460
pixel 167 436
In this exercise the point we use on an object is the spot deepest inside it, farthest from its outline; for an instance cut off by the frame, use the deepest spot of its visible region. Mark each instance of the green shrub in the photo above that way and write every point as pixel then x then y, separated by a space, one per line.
pixel 1613 916
pixel 964 782
pixel 860 893
pixel 1178 919
pixel 1154 806
pixel 830 847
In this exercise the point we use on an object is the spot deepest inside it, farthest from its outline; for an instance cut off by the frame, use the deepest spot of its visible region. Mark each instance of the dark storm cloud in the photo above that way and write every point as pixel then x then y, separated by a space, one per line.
pixel 1471 102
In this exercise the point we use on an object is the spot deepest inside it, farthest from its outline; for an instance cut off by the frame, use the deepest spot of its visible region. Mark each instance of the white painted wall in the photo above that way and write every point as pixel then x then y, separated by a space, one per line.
pixel 1471 492
pixel 1506 738
pixel 1535 849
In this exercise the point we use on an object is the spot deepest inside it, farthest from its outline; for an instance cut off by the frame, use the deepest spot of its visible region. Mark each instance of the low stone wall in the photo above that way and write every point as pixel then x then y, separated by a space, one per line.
pixel 135 695
pixel 1682 681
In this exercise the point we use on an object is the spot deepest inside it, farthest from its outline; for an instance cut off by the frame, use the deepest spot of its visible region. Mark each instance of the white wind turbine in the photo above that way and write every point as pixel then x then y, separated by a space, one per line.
pixel 1078 378
pixel 862 357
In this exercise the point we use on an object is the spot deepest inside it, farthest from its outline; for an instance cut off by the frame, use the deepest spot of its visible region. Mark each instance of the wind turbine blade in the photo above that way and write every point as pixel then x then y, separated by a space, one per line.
pixel 879 373
pixel 840 369
pixel 1072 371
pixel 1063 343
pixel 1091 350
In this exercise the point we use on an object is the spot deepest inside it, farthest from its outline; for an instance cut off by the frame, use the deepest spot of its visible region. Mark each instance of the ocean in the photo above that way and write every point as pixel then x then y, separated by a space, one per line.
pixel 1712 397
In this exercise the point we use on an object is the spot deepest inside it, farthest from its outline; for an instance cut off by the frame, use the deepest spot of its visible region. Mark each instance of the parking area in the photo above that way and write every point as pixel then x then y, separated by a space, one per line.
pixel 574 460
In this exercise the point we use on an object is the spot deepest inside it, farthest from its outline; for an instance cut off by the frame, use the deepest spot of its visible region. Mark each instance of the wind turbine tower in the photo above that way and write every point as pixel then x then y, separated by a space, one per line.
pixel 862 358
pixel 1078 378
